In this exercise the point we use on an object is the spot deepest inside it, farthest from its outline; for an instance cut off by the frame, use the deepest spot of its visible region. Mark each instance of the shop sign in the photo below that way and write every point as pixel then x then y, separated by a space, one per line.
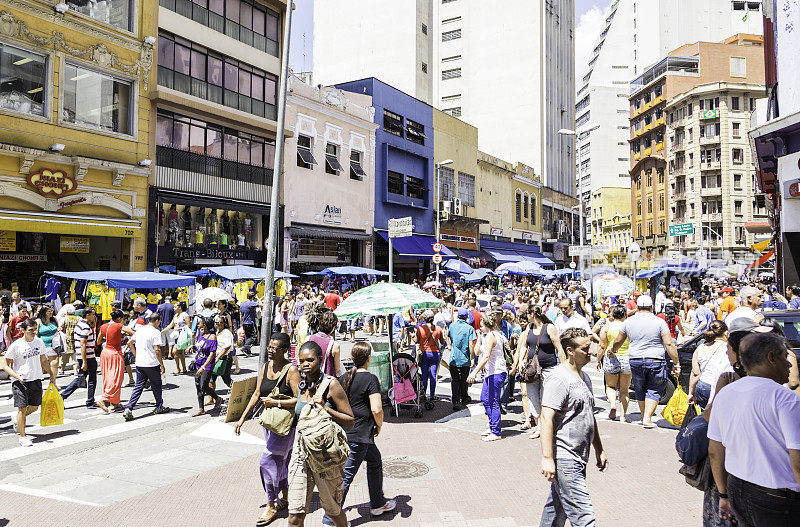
pixel 55 182
pixel 793 189
pixel 215 254
pixel 70 202
pixel 495 231
pixel 332 214
pixel 527 236
pixel 71 244
pixel 23 257
pixel 8 241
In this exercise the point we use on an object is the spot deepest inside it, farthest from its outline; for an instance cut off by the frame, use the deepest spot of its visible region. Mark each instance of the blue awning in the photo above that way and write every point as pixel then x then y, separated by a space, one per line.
pixel 129 280
pixel 238 272
pixel 504 256
pixel 514 252
pixel 416 246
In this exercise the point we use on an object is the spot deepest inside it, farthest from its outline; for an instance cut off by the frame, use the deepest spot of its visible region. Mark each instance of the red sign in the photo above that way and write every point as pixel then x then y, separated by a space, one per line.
pixel 794 189
pixel 437 247
pixel 55 182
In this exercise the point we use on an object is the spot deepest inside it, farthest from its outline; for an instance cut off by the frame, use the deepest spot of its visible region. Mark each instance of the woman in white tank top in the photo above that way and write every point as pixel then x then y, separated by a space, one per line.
pixel 493 365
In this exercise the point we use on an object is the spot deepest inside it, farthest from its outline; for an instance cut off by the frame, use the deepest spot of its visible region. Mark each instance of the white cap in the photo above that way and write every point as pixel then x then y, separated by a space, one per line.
pixel 644 301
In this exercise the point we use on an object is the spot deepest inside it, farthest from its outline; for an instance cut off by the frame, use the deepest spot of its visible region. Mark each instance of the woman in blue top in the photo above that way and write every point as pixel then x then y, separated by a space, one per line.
pixel 48 327
pixel 206 348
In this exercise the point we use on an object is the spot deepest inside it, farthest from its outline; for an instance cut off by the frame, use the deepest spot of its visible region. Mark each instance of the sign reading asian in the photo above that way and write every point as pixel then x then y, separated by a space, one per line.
pixel 54 182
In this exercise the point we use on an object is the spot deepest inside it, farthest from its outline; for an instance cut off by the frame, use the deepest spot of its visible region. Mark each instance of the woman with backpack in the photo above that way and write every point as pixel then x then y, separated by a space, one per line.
pixel 493 365
pixel 541 339
pixel 320 448
pixel 275 388
pixel 709 361
pixel 616 366
pixel 364 394
pixel 674 322
pixel 431 340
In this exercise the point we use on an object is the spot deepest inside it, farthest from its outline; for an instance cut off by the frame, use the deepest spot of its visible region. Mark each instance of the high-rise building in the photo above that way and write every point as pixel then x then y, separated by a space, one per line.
pixel 509 71
pixel 738 62
pixel 635 34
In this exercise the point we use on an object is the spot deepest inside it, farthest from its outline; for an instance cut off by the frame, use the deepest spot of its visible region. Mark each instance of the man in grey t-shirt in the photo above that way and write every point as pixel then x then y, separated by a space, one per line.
pixel 650 341
pixel 568 428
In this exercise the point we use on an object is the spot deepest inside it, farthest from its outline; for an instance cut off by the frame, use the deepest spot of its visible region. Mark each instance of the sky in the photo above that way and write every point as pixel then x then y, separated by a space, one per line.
pixel 588 21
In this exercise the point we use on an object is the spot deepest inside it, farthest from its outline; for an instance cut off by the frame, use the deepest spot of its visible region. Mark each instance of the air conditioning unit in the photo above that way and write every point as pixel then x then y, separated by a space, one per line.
pixel 445 206
pixel 457 207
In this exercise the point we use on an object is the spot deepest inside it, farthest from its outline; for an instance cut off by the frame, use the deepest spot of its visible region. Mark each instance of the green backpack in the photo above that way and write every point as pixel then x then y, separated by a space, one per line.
pixel 321 440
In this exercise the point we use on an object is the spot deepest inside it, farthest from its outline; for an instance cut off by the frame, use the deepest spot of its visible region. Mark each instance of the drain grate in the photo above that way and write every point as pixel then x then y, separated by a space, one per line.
pixel 404 468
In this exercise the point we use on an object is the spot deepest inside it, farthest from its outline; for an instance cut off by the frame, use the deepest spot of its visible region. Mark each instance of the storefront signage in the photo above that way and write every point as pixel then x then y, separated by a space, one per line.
pixel 55 182
pixel 527 236
pixel 400 227
pixel 793 189
pixel 458 239
pixel 8 241
pixel 332 214
pixel 70 202
pixel 218 254
pixel 495 231
pixel 23 257
pixel 71 244
pixel 709 114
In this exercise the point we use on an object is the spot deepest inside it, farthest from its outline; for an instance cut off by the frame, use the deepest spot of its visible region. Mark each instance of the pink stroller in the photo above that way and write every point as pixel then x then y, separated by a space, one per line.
pixel 406 384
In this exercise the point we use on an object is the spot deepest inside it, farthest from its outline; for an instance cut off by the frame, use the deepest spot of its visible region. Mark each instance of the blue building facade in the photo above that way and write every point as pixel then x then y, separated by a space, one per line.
pixel 404 170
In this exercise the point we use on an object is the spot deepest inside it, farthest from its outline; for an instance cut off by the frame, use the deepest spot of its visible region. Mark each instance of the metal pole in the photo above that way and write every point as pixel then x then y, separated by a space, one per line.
pixel 274 208
pixel 391 266
pixel 436 198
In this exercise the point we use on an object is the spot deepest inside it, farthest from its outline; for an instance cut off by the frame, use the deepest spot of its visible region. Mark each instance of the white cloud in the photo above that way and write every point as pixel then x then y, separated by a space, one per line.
pixel 586 32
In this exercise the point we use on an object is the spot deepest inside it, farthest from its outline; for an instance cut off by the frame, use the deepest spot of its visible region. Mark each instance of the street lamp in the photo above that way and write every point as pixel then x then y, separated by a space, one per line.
pixel 437 199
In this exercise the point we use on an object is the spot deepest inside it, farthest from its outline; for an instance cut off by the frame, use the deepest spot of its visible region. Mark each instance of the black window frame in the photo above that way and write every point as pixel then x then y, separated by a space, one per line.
pixel 332 165
pixel 394 182
pixel 356 165
pixel 415 187
pixel 305 158
pixel 393 123
pixel 415 132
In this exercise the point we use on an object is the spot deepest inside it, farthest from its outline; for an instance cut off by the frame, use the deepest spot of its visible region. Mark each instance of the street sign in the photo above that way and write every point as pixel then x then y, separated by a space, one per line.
pixel 437 247
pixel 400 227
pixel 580 250
pixel 572 265
pixel 681 229
pixel 436 258
pixel 600 249
pixel 634 251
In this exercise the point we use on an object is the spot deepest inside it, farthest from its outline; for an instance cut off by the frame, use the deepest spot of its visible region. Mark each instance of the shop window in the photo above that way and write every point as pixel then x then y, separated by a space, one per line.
pixel 305 158
pixel 394 183
pixel 415 187
pixel 96 100
pixel 189 226
pixel 114 12
pixel 392 123
pixel 332 165
pixel 356 168
pixel 466 189
pixel 24 77
pixel 415 132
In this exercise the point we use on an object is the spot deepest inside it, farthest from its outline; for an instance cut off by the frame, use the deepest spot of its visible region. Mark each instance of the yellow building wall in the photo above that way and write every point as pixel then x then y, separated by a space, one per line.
pixel 494 194
pixel 456 140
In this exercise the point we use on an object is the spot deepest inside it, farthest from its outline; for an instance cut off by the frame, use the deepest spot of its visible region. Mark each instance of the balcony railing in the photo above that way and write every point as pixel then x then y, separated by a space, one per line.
pixel 679 194
pixel 710 140
pixel 711 165
pixel 712 217
pixel 711 191
pixel 212 166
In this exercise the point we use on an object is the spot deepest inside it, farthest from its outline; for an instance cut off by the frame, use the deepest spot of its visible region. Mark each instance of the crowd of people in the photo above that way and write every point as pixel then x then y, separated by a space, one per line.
pixel 717 342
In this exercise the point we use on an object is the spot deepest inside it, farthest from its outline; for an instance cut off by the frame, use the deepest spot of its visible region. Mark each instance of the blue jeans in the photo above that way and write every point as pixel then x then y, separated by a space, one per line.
pixel 569 497
pixel 143 374
pixel 508 391
pixel 649 378
pixel 430 365
pixel 360 452
pixel 89 376
pixel 490 397
pixel 702 392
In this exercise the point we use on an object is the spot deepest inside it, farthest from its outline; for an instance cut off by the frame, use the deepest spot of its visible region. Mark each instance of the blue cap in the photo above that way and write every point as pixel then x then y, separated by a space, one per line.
pixel 463 313
pixel 509 307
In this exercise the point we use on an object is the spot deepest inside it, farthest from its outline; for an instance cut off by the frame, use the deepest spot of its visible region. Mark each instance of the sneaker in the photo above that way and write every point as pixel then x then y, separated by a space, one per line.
pixel 25 441
pixel 14 423
pixel 491 437
pixel 161 410
pixel 388 506
pixel 486 432
pixel 127 414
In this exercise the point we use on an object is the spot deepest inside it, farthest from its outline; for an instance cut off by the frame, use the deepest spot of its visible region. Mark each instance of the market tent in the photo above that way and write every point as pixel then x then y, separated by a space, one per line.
pixel 478 274
pixel 353 270
pixel 458 266
pixel 128 280
pixel 650 273
pixel 238 272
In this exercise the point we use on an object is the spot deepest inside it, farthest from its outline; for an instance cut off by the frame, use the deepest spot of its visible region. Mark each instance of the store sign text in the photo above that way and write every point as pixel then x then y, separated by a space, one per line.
pixel 8 241
pixel 332 214
pixel 495 231
pixel 218 254
pixel 56 182
pixel 23 257
pixel 70 202
pixel 70 244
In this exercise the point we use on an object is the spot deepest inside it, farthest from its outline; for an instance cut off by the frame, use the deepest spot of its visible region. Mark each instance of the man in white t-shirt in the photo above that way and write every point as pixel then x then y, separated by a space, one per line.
pixel 25 361
pixel 146 346
pixel 754 438
pixel 570 319
pixel 750 302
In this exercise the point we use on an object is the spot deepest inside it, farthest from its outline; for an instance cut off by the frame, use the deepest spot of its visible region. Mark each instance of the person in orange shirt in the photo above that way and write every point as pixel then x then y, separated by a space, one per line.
pixel 728 303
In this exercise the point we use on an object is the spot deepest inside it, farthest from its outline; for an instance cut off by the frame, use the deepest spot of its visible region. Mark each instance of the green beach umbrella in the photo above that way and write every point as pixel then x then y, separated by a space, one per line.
pixel 384 298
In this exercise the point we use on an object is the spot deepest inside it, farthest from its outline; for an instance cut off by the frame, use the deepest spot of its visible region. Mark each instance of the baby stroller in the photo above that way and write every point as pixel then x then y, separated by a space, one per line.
pixel 406 384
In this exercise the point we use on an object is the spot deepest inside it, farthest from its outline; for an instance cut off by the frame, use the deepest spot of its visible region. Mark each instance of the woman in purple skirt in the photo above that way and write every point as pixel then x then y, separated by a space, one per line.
pixel 277 372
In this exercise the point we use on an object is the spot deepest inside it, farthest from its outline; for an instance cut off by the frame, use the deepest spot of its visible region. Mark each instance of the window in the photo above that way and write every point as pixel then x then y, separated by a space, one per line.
pixel 639 230
pixel 356 170
pixel 737 130
pixel 392 123
pixel 415 187
pixel 24 76
pixel 650 205
pixel 740 234
pixel 451 20
pixel 194 70
pixel 455 112
pixel 691 159
pixel 738 6
pixel 738 156
pixel 737 182
pixel 96 100
pixel 451 35
pixel 424 29
pixel 582 104
pixel 424 68
pixel 466 189
pixel 415 132
pixel 451 74
pixel 305 158
pixel 518 206
pixel 649 228
pixel 661 202
pixel 583 119
pixel 533 210
pixel 738 67
pixel 248 22
pixel 114 12
pixel 525 207
pixel 394 183
pixel 452 58
pixel 332 165
pixel 752 104
pixel 447 184
pixel 661 227
pixel 735 103
pixel 737 208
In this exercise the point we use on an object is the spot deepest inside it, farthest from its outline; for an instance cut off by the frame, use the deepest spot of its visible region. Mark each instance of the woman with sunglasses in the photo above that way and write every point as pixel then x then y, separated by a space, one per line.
pixel 206 348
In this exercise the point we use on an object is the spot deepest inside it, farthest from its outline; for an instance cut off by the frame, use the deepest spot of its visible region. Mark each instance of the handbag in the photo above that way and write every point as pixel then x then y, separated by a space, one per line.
pixel 275 419
pixel 402 389
pixel 220 366
pixel 533 370
pixel 698 475
pixel 58 343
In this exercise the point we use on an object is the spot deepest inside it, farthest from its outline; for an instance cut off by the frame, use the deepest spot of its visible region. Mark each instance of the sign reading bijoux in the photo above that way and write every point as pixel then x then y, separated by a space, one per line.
pixel 55 182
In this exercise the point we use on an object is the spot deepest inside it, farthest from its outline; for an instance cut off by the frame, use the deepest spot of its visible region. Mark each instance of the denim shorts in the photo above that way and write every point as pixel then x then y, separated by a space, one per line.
pixel 614 365
pixel 649 378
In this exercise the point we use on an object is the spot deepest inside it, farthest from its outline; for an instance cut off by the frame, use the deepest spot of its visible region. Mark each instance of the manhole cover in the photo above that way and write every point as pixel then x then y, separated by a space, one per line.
pixel 404 468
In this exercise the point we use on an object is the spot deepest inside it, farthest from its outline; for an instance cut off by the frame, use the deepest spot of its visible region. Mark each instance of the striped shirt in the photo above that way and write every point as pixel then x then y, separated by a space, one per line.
pixel 84 331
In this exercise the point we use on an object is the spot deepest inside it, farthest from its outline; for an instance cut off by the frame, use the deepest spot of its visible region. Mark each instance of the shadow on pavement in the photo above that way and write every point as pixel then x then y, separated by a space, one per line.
pixel 403 509
pixel 55 435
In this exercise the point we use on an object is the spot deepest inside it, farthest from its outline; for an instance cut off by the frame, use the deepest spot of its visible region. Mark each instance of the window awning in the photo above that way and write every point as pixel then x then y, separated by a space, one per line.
pixel 306 155
pixel 504 256
pixel 416 246
pixel 504 252
pixel 79 225
pixel 355 166
pixel 333 162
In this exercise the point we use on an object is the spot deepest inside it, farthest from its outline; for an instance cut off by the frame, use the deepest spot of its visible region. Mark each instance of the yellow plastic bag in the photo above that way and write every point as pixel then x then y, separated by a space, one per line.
pixel 52 407
pixel 676 408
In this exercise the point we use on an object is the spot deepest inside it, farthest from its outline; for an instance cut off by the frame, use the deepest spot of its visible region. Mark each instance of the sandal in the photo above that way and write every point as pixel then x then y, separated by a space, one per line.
pixel 281 504
pixel 525 426
pixel 198 414
pixel 267 516
pixel 534 435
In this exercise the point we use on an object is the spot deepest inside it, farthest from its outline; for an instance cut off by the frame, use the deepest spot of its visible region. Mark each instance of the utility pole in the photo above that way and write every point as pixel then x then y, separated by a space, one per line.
pixel 437 199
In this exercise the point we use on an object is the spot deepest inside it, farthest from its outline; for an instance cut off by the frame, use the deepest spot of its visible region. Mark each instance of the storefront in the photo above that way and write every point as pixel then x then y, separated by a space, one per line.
pixel 67 213
pixel 313 248
pixel 506 250
pixel 190 231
